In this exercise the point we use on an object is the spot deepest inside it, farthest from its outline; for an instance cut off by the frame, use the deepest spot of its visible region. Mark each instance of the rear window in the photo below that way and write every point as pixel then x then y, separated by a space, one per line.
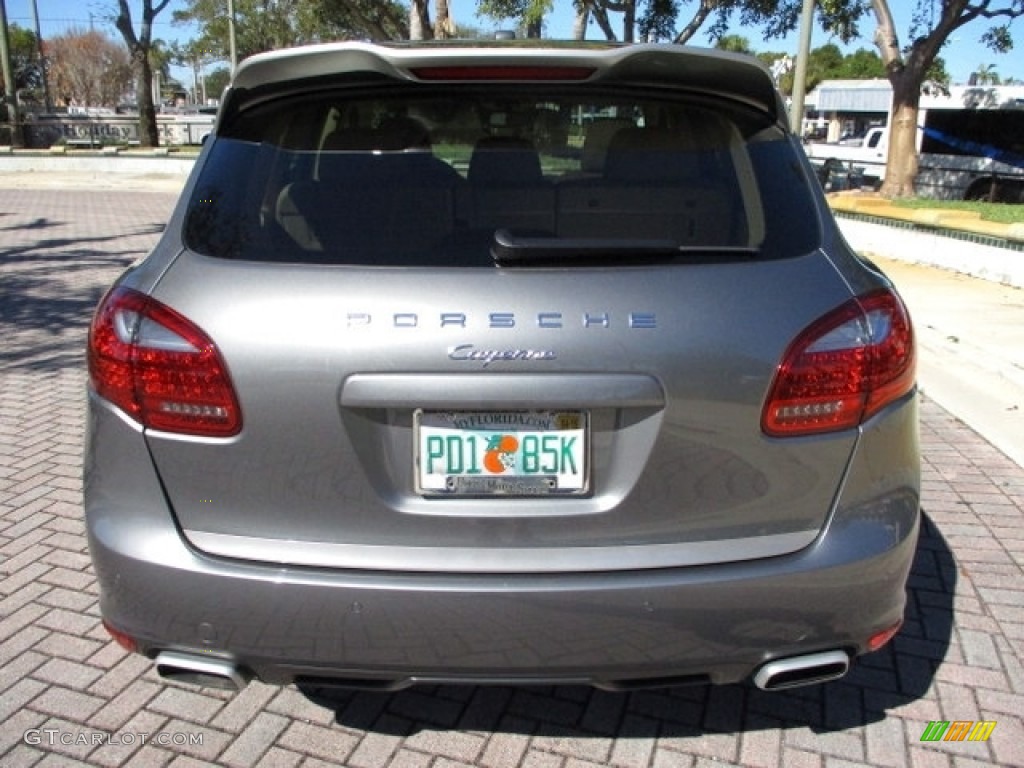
pixel 469 176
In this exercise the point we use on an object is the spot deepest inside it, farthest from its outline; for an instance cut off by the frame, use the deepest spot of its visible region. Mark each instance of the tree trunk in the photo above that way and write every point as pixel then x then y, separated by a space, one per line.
pixel 444 27
pixel 901 162
pixel 10 87
pixel 149 134
pixel 579 24
pixel 601 17
pixel 419 20
pixel 139 46
pixel 629 21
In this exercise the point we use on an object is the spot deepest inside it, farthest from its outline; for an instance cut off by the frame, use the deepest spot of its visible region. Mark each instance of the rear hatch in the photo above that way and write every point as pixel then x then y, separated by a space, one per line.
pixel 500 326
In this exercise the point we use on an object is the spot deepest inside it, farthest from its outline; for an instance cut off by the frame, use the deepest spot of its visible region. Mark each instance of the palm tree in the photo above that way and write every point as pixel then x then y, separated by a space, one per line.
pixel 985 74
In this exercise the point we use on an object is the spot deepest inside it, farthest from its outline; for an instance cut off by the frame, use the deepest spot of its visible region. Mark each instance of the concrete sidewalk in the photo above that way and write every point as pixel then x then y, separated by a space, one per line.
pixel 970 335
pixel 155 176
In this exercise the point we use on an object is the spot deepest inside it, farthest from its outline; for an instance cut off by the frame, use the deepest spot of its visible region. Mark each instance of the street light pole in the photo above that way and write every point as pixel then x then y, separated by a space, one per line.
pixel 796 113
pixel 42 60
pixel 231 37
pixel 10 92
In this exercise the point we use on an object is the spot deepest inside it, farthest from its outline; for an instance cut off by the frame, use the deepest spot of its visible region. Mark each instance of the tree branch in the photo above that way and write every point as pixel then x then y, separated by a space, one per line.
pixel 885 37
pixel 601 17
pixel 701 15
pixel 123 22
pixel 1014 12
pixel 579 25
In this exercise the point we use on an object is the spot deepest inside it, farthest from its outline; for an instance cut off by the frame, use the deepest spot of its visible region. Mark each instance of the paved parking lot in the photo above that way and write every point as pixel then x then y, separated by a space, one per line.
pixel 69 696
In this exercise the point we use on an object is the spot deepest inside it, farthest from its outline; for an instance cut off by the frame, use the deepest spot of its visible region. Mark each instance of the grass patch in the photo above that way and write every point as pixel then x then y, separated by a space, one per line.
pixel 1002 213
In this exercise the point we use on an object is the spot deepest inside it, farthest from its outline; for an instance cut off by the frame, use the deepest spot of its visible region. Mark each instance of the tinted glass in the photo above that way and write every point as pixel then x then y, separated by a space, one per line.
pixel 419 177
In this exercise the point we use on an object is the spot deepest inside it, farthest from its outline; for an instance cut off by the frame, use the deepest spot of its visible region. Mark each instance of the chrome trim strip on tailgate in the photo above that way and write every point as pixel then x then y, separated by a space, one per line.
pixel 497 559
pixel 502 390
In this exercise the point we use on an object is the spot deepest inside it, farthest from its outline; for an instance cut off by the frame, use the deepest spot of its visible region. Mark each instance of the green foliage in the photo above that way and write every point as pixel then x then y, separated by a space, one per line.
pixel 825 62
pixel 778 18
pixel 24 55
pixel 161 56
pixel 937 72
pixel 657 20
pixel 217 81
pixel 354 19
pixel 998 39
pixel 528 14
pixel 261 25
pixel 999 212
pixel 842 18
pixel 194 54
pixel 23 48
pixel 526 11
pixel 829 63
pixel 986 74
pixel 862 64
pixel 734 44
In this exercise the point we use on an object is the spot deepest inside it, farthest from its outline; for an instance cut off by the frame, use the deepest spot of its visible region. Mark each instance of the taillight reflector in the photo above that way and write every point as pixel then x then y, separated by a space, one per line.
pixel 505 73
pixel 843 369
pixel 123 639
pixel 160 368
pixel 879 639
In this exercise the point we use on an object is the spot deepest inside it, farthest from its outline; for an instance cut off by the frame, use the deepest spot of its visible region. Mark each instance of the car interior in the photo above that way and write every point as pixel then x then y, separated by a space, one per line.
pixel 389 183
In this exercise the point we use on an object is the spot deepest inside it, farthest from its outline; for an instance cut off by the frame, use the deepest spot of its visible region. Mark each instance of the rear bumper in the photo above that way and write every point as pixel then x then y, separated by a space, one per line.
pixel 717 623
pixel 606 629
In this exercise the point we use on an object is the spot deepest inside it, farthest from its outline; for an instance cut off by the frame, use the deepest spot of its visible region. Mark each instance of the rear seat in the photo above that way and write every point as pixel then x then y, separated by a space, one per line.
pixel 655 186
pixel 596 143
pixel 507 189
pixel 380 195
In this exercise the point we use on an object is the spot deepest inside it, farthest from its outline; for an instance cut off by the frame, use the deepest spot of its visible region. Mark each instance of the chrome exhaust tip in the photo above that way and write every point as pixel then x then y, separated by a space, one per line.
pixel 802 670
pixel 207 671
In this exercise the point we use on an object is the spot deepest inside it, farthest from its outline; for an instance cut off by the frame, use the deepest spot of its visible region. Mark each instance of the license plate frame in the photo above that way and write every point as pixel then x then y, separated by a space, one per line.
pixel 548 444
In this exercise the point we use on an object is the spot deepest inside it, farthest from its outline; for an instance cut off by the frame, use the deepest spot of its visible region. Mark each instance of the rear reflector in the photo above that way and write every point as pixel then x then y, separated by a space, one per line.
pixel 160 368
pixel 504 72
pixel 843 369
pixel 123 639
pixel 879 639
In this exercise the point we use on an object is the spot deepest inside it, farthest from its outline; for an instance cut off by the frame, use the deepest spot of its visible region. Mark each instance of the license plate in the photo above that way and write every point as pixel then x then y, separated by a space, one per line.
pixel 501 453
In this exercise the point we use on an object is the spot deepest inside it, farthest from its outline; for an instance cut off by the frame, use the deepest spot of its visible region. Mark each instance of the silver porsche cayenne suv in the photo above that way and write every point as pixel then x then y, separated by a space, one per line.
pixel 496 363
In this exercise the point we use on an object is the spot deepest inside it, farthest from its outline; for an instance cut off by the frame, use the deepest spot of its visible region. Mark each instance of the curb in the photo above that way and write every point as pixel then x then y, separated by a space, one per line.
pixel 137 162
pixel 961 252
pixel 964 221
pixel 953 240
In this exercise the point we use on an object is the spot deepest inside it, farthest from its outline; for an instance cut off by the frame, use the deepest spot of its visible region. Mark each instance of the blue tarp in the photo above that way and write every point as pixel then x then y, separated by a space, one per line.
pixel 976 148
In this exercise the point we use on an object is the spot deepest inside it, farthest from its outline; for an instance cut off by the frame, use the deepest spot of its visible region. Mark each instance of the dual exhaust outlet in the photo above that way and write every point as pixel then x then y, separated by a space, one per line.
pixel 212 672
pixel 809 669
pixel 205 671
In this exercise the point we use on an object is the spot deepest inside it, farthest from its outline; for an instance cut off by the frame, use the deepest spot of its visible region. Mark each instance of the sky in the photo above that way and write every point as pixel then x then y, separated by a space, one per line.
pixel 964 54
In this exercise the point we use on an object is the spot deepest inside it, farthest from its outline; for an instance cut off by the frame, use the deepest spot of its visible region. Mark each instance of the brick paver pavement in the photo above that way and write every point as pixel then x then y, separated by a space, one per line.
pixel 69 696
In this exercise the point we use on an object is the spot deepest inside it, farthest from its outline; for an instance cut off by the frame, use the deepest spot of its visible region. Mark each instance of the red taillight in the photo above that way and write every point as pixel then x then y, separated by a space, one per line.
pixel 843 368
pixel 160 368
